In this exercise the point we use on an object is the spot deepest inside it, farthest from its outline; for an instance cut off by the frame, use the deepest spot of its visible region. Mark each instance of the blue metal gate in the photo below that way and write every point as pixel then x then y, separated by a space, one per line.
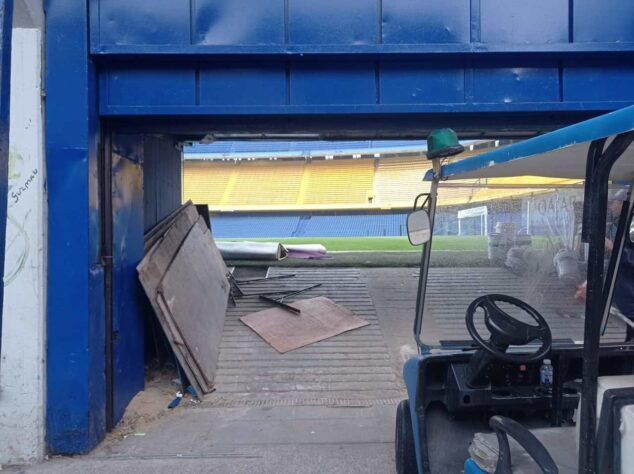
pixel 371 68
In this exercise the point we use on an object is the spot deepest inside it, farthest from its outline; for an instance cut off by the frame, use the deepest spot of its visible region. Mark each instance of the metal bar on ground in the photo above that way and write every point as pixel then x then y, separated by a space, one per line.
pixel 281 304
pixel 285 292
pixel 277 277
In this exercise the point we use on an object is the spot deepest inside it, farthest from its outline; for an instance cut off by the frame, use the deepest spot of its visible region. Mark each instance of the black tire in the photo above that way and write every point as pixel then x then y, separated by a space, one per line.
pixel 405 452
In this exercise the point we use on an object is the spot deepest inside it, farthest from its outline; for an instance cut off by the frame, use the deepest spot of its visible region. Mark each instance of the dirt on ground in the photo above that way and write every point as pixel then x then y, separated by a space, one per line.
pixel 151 404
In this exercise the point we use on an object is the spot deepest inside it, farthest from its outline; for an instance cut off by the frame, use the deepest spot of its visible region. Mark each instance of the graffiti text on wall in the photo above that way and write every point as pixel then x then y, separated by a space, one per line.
pixel 15 194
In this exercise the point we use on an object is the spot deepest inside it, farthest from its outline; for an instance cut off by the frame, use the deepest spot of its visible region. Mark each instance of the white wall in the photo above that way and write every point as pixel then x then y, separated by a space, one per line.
pixel 23 366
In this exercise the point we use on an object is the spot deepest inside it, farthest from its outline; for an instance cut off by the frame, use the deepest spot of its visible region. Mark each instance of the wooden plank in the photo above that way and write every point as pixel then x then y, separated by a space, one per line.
pixel 194 293
pixel 151 271
pixel 160 229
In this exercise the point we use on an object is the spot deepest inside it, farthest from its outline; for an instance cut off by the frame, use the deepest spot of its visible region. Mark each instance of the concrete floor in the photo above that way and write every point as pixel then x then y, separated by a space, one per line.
pixel 327 412
pixel 340 426
pixel 305 439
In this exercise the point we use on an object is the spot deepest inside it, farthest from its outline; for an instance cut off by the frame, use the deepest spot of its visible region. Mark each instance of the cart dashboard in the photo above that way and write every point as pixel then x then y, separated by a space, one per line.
pixel 443 378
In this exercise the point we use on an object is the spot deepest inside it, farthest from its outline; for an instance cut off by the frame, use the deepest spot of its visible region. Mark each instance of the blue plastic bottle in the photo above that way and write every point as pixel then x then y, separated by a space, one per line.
pixel 546 377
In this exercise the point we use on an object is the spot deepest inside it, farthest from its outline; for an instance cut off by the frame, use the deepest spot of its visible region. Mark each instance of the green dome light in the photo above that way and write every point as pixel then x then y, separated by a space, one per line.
pixel 442 143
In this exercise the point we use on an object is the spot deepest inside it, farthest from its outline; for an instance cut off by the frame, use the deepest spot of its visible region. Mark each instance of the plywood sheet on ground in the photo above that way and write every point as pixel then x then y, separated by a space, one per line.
pixel 320 318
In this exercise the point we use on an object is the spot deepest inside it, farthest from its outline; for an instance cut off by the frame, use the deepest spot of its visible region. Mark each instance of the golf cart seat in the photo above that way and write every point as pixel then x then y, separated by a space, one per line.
pixel 553 448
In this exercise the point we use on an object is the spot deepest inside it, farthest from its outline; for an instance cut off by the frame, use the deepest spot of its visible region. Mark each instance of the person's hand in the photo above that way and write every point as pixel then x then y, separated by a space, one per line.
pixel 608 245
pixel 582 291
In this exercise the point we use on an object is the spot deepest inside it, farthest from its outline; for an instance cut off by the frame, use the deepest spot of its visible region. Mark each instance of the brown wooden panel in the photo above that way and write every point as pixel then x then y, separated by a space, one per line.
pixel 152 271
pixel 193 293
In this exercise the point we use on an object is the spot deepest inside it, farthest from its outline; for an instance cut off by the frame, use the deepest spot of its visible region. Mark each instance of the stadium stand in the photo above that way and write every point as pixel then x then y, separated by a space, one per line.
pixel 261 182
pixel 355 225
pixel 324 189
pixel 371 225
pixel 339 182
pixel 256 184
pixel 398 181
pixel 205 182
pixel 293 185
pixel 253 226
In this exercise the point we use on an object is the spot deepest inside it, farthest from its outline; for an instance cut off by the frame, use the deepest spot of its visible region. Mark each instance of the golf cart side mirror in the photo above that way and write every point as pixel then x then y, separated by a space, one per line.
pixel 418 227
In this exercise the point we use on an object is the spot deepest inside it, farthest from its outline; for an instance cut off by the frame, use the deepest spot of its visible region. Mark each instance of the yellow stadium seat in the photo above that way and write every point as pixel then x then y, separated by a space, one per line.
pixel 340 182
pixel 399 180
pixel 204 182
pixel 266 183
pixel 365 183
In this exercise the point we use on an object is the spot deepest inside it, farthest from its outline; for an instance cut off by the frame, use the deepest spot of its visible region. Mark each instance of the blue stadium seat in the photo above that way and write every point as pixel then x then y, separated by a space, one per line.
pixel 354 225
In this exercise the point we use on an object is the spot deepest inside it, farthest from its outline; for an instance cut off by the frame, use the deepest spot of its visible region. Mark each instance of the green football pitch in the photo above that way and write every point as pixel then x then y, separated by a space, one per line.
pixel 383 244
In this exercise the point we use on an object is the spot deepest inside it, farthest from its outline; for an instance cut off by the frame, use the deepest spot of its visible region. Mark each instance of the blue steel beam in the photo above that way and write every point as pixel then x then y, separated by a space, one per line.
pixel 75 414
pixel 172 26
pixel 376 57
pixel 396 110
pixel 123 51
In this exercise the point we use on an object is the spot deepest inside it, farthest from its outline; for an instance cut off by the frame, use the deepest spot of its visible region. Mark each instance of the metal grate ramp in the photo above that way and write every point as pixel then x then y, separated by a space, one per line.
pixel 351 369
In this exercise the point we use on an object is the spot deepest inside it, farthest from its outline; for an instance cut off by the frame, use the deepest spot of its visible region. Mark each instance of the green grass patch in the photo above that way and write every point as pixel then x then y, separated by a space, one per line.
pixel 342 244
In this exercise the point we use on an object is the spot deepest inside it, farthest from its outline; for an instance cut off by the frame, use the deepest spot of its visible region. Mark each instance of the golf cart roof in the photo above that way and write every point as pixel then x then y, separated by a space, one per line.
pixel 558 154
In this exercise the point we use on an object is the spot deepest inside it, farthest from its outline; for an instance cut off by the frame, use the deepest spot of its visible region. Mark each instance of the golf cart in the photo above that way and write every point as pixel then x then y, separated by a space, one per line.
pixel 543 381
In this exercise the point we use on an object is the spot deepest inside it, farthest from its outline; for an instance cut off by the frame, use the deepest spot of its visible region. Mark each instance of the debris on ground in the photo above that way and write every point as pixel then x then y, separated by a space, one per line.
pixel 148 405
pixel 185 279
pixel 270 251
pixel 252 251
pixel 174 403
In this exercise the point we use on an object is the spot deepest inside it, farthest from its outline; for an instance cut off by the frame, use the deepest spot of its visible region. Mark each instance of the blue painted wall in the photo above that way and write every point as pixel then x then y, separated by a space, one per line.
pixel 162 179
pixel 479 65
pixel 76 326
pixel 363 56
pixel 128 299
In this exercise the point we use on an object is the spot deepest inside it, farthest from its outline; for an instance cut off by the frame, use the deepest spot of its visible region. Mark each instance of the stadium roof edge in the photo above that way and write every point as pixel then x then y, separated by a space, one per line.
pixel 304 149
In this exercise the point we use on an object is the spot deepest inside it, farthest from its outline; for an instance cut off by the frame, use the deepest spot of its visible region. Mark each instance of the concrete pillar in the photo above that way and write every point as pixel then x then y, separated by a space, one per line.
pixel 22 371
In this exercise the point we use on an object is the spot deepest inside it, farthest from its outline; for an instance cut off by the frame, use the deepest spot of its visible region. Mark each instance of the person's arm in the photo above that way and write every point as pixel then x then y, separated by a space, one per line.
pixel 582 291
pixel 627 257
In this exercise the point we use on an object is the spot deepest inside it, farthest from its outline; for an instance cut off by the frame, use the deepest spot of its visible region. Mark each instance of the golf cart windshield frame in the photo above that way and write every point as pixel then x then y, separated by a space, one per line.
pixel 599 162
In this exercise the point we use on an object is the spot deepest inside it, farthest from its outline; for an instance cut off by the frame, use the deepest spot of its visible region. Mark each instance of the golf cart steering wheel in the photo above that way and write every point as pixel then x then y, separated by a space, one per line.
pixel 507 330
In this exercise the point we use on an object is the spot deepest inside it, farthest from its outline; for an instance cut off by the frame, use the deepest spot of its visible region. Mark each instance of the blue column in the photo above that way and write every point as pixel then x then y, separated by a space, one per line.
pixel 76 356
pixel 129 300
pixel 6 20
